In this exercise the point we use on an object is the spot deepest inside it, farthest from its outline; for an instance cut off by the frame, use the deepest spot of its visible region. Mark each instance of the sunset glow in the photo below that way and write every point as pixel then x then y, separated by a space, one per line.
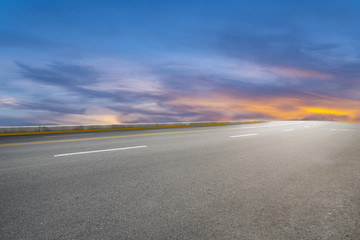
pixel 328 111
pixel 275 108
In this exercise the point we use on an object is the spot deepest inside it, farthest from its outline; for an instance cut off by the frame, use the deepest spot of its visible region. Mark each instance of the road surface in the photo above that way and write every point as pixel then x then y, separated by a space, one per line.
pixel 274 180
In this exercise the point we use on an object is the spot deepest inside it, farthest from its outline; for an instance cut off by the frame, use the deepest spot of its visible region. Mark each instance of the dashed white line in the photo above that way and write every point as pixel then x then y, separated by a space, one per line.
pixel 289 129
pixel 245 135
pixel 339 129
pixel 97 151
pixel 278 125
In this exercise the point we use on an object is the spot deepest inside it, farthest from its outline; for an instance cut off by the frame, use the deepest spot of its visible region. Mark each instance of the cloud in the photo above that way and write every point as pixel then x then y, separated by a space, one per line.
pixel 299 73
pixel 26 120
pixel 50 105
pixel 177 89
pixel 327 117
pixel 64 75
pixel 70 92
pixel 87 81
pixel 228 107
pixel 266 49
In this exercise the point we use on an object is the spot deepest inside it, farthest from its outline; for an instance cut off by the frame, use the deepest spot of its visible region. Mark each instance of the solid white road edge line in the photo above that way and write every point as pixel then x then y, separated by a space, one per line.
pixel 245 135
pixel 97 151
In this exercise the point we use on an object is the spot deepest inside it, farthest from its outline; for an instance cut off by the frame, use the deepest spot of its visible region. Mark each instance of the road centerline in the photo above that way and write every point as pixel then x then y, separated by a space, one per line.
pixel 97 151
pixel 245 135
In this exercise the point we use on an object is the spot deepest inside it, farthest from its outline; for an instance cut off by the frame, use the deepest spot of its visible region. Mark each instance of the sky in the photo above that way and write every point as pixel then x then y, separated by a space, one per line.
pixel 126 61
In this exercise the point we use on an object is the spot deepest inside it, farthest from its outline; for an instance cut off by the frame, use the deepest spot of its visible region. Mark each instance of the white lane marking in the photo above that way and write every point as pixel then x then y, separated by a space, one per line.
pixel 245 135
pixel 306 126
pixel 97 151
pixel 289 129
pixel 340 129
pixel 279 125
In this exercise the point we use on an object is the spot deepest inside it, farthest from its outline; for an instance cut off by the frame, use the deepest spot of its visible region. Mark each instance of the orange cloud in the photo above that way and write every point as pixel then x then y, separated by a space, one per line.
pixel 299 73
pixel 326 111
pixel 224 107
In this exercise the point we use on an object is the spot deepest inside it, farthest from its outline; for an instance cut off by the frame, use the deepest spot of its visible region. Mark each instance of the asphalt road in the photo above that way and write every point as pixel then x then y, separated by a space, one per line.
pixel 275 180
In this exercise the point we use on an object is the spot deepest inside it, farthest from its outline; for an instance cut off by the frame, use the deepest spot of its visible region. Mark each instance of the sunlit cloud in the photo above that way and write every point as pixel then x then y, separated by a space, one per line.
pixel 7 102
pixel 299 73
pixel 83 119
pixel 123 75
pixel 230 108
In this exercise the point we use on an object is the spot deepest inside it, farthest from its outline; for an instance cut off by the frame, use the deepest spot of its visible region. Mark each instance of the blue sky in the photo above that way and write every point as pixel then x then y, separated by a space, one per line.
pixel 99 62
